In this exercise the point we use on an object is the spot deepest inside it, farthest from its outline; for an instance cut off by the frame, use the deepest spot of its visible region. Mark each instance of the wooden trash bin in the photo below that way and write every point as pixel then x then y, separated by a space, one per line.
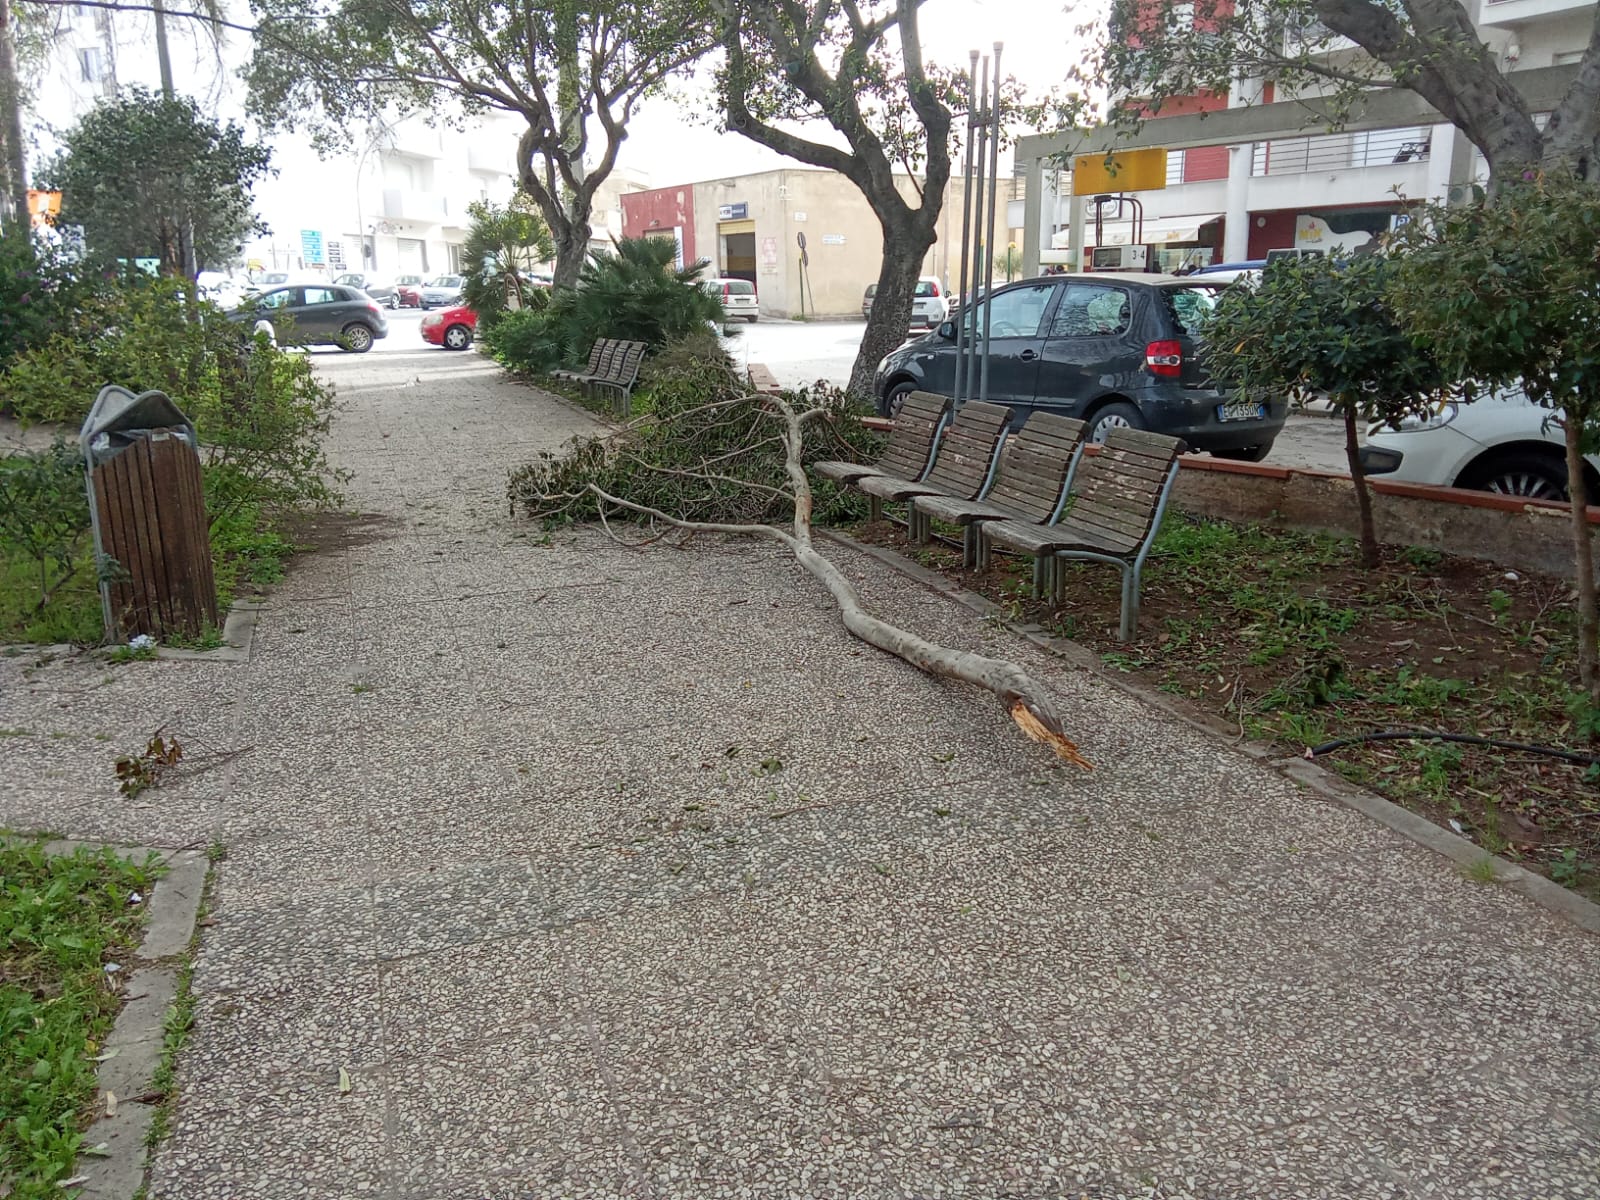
pixel 147 507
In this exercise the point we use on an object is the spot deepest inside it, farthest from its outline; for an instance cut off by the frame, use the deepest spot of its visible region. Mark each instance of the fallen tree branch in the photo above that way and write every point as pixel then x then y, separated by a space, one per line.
pixel 1023 698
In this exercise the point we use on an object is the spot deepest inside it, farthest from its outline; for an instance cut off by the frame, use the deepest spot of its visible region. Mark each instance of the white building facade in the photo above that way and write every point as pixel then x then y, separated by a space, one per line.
pixel 395 202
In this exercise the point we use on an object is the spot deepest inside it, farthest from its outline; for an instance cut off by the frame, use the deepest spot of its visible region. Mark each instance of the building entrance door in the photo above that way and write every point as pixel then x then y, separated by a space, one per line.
pixel 736 250
pixel 413 256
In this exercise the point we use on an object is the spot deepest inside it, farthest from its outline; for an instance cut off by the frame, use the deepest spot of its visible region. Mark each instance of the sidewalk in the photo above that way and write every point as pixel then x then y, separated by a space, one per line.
pixel 629 873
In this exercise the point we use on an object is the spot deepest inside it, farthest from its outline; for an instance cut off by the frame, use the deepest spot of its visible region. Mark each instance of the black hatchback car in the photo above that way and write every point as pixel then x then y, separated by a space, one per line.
pixel 1112 349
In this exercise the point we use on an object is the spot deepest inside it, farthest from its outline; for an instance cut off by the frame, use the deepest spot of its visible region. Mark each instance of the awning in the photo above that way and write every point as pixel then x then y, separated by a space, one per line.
pixel 1157 230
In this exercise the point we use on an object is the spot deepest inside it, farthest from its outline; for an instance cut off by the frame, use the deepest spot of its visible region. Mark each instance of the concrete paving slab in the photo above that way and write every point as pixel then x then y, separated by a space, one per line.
pixel 627 872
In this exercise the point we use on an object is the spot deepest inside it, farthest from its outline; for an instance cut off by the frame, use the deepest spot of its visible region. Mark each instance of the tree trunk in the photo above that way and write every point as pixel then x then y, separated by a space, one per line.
pixel 11 109
pixel 1583 563
pixel 1352 456
pixel 906 238
pixel 572 247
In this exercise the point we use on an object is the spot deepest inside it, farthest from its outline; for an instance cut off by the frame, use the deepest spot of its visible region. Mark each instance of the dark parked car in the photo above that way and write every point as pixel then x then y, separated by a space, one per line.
pixel 1112 349
pixel 380 289
pixel 327 314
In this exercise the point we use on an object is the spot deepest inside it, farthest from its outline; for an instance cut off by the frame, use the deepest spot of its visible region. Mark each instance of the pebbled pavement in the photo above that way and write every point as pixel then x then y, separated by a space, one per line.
pixel 627 873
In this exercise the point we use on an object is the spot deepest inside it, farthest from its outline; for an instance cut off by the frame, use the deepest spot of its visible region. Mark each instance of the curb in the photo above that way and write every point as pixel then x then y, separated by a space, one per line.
pixel 238 631
pixel 138 1037
pixel 1308 774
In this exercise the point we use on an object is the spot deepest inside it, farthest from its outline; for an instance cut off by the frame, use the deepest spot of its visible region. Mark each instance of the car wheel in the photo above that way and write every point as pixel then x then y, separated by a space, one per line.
pixel 896 398
pixel 357 338
pixel 394 303
pixel 457 337
pixel 753 320
pixel 1245 453
pixel 1117 415
pixel 1524 473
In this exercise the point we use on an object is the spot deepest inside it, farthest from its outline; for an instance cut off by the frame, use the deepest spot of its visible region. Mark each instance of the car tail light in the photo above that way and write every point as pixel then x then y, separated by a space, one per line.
pixel 1164 359
pixel 936 290
pixel 372 306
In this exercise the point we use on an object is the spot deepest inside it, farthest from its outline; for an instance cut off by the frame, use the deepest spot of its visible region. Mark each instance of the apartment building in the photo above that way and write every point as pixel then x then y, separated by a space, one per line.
pixel 395 201
pixel 1333 192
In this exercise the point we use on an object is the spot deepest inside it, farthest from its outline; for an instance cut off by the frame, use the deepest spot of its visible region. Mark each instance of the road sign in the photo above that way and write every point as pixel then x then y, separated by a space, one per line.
pixel 1125 171
pixel 311 247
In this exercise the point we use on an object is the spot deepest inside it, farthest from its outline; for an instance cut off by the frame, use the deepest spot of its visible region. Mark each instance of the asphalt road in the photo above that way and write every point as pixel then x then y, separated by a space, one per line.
pixel 799 353
pixel 802 352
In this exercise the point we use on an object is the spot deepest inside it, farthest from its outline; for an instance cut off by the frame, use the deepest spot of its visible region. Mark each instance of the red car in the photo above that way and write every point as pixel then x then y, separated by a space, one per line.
pixel 409 290
pixel 451 328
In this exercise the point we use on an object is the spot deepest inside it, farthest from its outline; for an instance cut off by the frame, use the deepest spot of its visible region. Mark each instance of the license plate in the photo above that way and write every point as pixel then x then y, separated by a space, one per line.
pixel 1241 411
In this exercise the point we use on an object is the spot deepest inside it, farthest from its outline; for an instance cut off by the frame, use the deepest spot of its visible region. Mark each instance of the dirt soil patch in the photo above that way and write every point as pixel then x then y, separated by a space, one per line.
pixel 1285 635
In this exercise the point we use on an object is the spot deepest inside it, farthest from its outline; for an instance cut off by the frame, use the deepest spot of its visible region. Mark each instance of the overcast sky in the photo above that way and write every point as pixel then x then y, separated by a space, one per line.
pixel 1040 47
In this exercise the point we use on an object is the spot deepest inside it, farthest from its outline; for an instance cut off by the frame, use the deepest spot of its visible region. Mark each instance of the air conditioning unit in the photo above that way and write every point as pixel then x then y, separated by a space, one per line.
pixel 1122 258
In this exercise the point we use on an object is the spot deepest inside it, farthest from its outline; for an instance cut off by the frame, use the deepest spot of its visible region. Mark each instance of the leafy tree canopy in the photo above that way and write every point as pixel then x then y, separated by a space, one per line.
pixel 1507 290
pixel 139 168
pixel 570 70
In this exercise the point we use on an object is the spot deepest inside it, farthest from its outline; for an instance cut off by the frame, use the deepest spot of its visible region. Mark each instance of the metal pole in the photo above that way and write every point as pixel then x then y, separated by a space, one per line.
pixel 966 228
pixel 994 187
pixel 979 239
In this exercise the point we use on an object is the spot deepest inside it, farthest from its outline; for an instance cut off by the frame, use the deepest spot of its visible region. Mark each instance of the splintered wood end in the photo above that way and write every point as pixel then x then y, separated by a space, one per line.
pixel 1028 721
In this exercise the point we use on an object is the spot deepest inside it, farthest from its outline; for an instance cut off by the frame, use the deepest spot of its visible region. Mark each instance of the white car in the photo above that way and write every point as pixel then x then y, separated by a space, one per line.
pixel 738 297
pixel 1502 443
pixel 930 307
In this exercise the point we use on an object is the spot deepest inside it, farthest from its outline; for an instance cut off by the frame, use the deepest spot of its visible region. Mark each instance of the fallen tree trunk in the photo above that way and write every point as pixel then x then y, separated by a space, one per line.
pixel 1023 698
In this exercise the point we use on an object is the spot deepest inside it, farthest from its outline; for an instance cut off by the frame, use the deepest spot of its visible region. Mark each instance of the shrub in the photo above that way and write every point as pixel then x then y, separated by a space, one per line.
pixel 44 513
pixel 633 293
pixel 38 292
pixel 261 414
pixel 701 414
pixel 531 340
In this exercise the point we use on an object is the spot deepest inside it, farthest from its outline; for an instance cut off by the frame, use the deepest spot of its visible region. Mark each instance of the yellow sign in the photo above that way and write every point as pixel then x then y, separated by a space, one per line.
pixel 42 206
pixel 1128 171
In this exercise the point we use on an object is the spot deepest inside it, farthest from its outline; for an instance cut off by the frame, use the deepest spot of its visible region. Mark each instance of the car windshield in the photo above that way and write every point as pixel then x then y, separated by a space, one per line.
pixel 1191 307
pixel 447 281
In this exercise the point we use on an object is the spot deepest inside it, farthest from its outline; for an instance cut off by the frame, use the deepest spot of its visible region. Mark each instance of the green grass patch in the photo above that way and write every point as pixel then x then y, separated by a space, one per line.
pixel 64 918
pixel 72 615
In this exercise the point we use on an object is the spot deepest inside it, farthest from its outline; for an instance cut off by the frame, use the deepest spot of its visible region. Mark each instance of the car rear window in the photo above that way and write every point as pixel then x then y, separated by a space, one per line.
pixel 872 290
pixel 927 287
pixel 1191 307
pixel 738 287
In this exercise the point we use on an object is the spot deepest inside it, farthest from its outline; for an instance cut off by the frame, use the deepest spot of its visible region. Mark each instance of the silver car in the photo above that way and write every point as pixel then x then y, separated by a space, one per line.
pixel 442 292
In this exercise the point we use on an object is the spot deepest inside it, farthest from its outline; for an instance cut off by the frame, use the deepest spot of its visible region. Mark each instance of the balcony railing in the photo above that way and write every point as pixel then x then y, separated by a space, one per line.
pixel 1341 151
pixel 404 204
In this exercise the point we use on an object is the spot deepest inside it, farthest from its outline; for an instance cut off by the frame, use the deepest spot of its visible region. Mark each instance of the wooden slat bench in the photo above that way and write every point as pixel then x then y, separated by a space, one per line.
pixel 601 346
pixel 1115 505
pixel 963 460
pixel 1030 483
pixel 909 451
pixel 620 377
